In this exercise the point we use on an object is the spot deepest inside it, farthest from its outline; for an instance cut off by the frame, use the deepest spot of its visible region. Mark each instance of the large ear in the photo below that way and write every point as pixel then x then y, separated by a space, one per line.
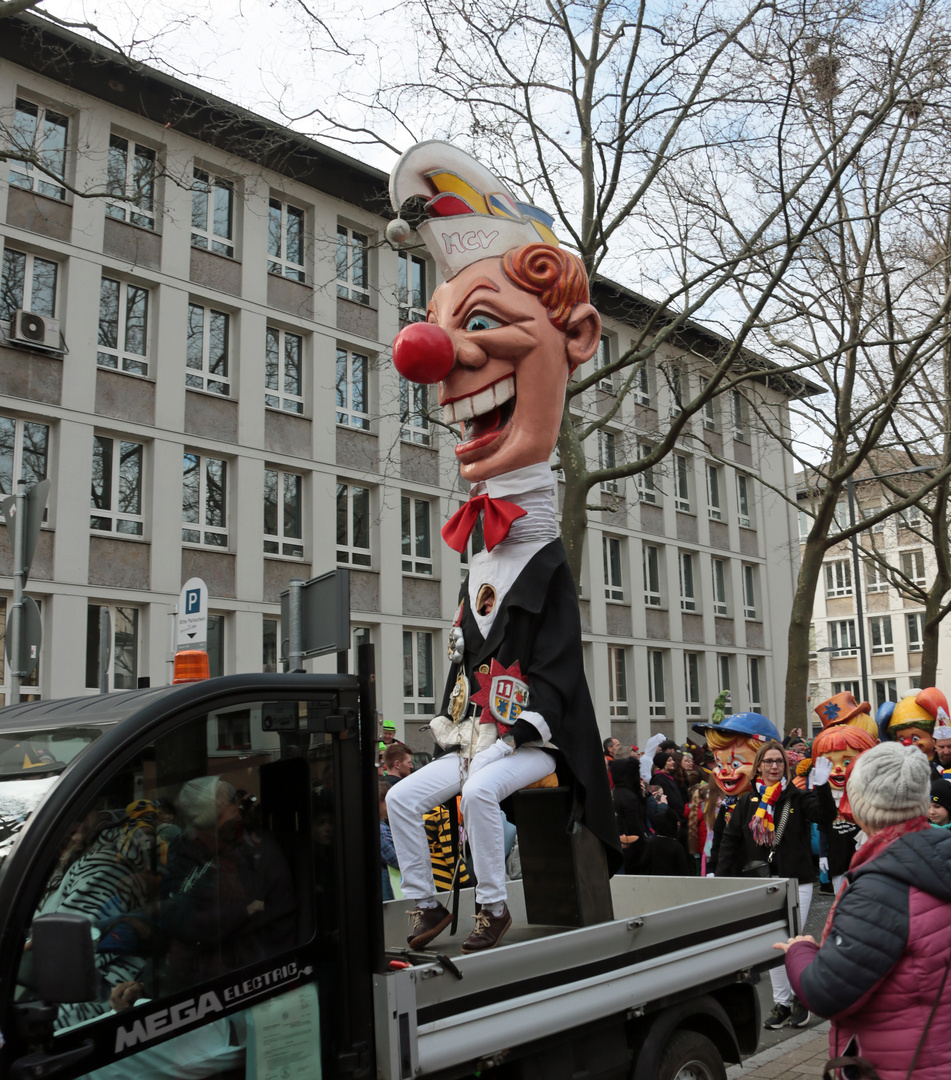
pixel 582 334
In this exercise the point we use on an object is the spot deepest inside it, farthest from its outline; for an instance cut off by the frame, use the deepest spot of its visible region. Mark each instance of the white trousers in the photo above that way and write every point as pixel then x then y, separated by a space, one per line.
pixel 782 991
pixel 491 776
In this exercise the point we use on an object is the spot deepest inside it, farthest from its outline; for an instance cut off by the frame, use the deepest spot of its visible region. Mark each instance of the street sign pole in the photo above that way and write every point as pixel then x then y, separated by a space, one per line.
pixel 295 632
pixel 13 627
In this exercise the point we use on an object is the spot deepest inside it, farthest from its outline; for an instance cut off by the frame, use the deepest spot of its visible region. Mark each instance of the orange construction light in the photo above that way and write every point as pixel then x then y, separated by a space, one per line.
pixel 191 665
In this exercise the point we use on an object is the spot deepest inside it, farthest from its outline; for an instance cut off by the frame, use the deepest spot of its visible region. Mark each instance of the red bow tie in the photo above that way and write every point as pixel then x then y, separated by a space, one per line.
pixel 499 516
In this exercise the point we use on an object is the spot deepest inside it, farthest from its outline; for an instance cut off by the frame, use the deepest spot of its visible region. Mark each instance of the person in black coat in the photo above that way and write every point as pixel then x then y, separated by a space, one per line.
pixel 771 825
pixel 644 851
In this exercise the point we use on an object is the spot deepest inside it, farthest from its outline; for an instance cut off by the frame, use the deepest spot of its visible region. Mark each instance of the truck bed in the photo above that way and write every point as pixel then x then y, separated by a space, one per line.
pixel 669 936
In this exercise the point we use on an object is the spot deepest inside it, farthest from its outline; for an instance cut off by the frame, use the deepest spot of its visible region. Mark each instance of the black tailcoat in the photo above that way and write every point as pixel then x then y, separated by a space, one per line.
pixel 539 625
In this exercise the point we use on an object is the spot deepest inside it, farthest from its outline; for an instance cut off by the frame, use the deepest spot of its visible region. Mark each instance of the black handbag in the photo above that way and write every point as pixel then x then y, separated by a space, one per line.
pixel 755 868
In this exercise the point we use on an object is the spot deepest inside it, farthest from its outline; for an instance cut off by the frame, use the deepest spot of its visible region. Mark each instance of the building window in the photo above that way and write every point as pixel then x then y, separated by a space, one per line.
pixel 212 213
pixel 677 389
pixel 24 453
pixel 651 558
pixel 414 412
pixel 204 501
pixel 352 265
pixel 884 690
pixel 909 518
pixel 749 592
pixel 805 525
pixel 708 410
pixel 122 664
pixel 42 134
pixel 412 287
pixel 234 729
pixel 841 515
pixel 130 176
pixel 880 631
pixel 916 630
pixel 602 358
pixel 743 490
pixel 913 566
pixel 207 349
pixel 271 644
pixel 720 605
pixel 283 513
pixel 29 687
pixel 216 645
pixel 123 327
pixel 613 584
pixel 417 547
pixel 692 683
pixel 283 370
pixel 724 678
pixel 353 405
pixel 116 498
pixel 740 419
pixel 755 683
pixel 419 697
pixel 646 490
pixel 617 682
pixel 353 525
pixel 607 459
pixel 714 506
pixel 28 284
pixel 641 385
pixel 848 686
pixel 838 578
pixel 875 579
pixel 474 546
pixel 842 637
pixel 688 591
pixel 285 240
pixel 682 483
pixel 656 693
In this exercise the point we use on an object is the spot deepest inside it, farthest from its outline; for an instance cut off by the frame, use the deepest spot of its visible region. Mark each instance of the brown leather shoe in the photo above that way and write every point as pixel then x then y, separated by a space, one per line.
pixel 488 931
pixel 427 923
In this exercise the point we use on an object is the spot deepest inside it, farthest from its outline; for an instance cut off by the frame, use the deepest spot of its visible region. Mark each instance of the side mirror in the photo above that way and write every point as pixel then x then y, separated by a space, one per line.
pixel 64 964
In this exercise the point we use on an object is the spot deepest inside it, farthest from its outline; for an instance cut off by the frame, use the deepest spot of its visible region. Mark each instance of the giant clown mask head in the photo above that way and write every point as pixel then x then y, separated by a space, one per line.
pixel 734 744
pixel 507 326
pixel 841 744
pixel 912 721
pixel 844 709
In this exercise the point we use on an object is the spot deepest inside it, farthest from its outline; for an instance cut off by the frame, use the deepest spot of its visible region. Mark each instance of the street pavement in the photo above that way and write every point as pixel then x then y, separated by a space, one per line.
pixel 793 1053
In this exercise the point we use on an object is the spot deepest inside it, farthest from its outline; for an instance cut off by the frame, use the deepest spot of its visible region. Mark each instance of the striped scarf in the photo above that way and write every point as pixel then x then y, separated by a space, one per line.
pixel 762 825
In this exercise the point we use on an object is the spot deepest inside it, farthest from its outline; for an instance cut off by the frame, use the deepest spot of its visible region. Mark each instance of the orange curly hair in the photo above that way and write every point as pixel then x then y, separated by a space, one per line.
pixel 554 275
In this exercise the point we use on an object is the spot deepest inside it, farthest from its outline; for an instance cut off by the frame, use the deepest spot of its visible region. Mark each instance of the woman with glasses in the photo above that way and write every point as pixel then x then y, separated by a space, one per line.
pixel 768 835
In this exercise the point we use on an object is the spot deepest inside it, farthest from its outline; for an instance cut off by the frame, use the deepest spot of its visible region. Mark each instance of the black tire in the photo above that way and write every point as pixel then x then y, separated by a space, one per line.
pixel 691 1056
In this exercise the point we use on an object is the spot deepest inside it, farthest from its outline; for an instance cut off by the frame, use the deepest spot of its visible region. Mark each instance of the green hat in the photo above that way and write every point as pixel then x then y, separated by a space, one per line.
pixel 389 725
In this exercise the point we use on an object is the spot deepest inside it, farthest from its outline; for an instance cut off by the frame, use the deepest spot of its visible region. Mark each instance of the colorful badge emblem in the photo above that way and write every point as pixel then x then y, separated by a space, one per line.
pixel 504 692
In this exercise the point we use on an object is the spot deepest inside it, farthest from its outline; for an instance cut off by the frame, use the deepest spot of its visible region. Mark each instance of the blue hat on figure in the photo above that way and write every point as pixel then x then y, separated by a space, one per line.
pixel 751 724
pixel 882 718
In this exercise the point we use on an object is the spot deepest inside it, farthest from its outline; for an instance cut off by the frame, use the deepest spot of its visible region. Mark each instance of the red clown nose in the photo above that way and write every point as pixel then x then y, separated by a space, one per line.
pixel 423 353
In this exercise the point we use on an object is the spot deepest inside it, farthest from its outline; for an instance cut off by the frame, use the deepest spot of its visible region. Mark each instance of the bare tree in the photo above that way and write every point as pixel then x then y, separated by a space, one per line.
pixel 689 143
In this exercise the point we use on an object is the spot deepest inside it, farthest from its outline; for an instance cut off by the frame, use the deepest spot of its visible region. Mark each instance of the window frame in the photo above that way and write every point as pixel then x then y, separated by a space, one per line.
pixel 876 580
pixel 26 170
pixel 838 578
pixel 409 312
pixel 201 525
pixel 651 554
pixel 640 386
pixel 688 581
pixel 92 644
pixel 278 396
pixel 692 682
pixel 349 553
pixel 349 414
pixel 279 262
pixel 682 474
pixel 721 594
pixel 612 554
pixel 349 241
pixel 18 454
pixel 29 282
pixel 646 486
pixel 739 417
pixel 844 629
pixel 708 410
pixel 213 241
pixel 911 572
pixel 915 630
pixel 714 504
pixel 602 359
pixel 286 545
pixel 754 683
pixel 618 703
pixel 413 561
pixel 415 702
pixel 744 509
pixel 126 361
pixel 112 513
pixel 414 418
pixel 119 204
pixel 750 590
pixel 656 684
pixel 880 627
pixel 203 378
pixel 607 459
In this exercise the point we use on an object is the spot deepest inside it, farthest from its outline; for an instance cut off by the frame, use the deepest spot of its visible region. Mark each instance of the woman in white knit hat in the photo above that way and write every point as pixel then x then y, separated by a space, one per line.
pixel 881 968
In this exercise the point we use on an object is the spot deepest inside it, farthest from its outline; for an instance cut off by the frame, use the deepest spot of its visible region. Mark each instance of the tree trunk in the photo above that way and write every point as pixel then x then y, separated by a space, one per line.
pixel 574 514
pixel 795 712
pixel 931 632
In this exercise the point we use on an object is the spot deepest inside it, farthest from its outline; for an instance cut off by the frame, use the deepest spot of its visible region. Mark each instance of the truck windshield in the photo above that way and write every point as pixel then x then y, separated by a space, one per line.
pixel 30 763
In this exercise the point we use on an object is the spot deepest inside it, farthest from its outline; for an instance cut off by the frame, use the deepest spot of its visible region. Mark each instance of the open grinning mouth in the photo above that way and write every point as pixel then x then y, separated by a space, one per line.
pixel 484 412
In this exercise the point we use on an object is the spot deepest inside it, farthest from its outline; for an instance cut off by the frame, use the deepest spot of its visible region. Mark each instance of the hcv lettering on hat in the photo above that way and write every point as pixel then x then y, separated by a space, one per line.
pixel 468 241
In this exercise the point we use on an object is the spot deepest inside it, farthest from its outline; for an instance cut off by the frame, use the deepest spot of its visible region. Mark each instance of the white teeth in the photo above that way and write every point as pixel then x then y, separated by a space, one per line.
pixel 455 412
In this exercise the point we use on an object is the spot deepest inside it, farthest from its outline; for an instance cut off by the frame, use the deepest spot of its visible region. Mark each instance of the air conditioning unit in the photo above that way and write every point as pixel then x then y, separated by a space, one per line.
pixel 39 330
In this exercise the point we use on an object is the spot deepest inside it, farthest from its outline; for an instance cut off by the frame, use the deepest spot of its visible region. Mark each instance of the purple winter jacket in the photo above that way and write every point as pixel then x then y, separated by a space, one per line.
pixel 878 974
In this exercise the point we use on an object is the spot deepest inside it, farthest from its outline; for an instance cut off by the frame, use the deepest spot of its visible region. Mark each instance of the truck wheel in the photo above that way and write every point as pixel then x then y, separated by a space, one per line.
pixel 691 1056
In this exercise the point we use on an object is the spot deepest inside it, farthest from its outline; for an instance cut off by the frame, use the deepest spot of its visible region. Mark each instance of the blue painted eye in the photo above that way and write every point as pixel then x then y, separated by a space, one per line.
pixel 481 322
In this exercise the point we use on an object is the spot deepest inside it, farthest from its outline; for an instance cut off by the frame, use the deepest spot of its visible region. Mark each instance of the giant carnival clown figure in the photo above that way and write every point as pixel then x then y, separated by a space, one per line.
pixel 846 734
pixel 734 743
pixel 504 331
pixel 913 720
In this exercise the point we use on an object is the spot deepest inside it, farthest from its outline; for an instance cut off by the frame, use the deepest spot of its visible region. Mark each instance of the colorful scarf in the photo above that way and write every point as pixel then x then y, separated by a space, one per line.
pixel 873 846
pixel 762 825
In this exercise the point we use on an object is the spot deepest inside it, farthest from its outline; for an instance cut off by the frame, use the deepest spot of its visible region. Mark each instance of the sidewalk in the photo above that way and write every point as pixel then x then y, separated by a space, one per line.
pixel 804 1055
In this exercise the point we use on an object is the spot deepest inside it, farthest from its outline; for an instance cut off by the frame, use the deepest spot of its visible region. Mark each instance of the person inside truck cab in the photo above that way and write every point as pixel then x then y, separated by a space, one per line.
pixel 504 332
pixel 227 898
